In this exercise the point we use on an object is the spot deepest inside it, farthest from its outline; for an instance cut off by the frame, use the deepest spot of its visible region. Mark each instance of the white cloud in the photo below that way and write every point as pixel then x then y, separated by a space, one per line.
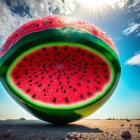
pixel 131 28
pixel 135 60
pixel 10 21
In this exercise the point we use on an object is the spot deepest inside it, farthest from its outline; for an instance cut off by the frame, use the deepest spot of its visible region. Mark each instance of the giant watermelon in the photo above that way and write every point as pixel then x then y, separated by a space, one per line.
pixel 59 69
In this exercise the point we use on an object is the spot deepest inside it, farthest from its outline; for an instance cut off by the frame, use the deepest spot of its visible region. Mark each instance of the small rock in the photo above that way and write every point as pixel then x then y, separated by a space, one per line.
pixel 76 137
pixel 126 135
pixel 43 136
pixel 22 119
pixel 82 136
pixel 122 124
pixel 8 133
pixel 127 120
pixel 139 130
pixel 71 136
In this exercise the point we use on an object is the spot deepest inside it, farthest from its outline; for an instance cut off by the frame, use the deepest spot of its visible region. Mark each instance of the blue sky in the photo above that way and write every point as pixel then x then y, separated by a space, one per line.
pixel 120 21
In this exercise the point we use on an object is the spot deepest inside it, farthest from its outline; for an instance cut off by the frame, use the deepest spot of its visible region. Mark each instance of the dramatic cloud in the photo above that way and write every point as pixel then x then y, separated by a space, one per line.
pixel 11 17
pixel 135 60
pixel 132 27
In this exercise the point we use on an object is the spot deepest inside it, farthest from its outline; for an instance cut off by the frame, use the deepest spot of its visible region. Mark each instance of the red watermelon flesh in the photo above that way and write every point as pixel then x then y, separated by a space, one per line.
pixel 61 75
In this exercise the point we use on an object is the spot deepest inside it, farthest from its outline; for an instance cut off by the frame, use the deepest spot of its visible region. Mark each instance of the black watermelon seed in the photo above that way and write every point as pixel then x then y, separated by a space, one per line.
pixel 50 80
pixel 79 84
pixel 37 54
pixel 69 63
pixel 92 57
pixel 94 79
pixel 44 90
pixel 62 60
pixel 37 61
pixel 88 93
pixel 44 69
pixel 49 59
pixel 98 82
pixel 34 72
pixel 65 57
pixel 25 58
pixel 44 64
pixel 80 77
pixel 96 87
pixel 73 68
pixel 33 57
pixel 74 56
pixel 42 73
pixel 55 54
pixel 78 50
pixel 103 64
pixel 26 73
pixel 19 65
pixel 48 85
pixel 80 66
pixel 74 64
pixel 30 60
pixel 64 73
pixel 75 72
pixel 91 63
pixel 47 71
pixel 36 82
pixel 105 71
pixel 61 87
pixel 43 49
pixel 60 83
pixel 95 68
pixel 47 54
pixel 68 77
pixel 106 77
pixel 89 55
pixel 87 87
pixel 97 76
pixel 79 63
pixel 79 69
pixel 18 83
pixel 65 48
pixel 54 99
pixel 30 85
pixel 83 59
pixel 81 96
pixel 68 69
pixel 41 60
pixel 15 73
pixel 58 78
pixel 32 68
pixel 58 70
pixel 55 48
pixel 86 64
pixel 73 59
pixel 28 90
pixel 64 91
pixel 26 70
pixel 56 90
pixel 50 76
pixel 95 72
pixel 74 89
pixel 40 70
pixel 58 53
pixel 39 85
pixel 54 73
pixel 30 80
pixel 70 86
pixel 88 80
pixel 98 62
pixel 84 68
pixel 83 53
pixel 30 64
pixel 44 94
pixel 71 74
pixel 83 75
pixel 33 95
pixel 68 82
pixel 66 99
pixel 36 76
pixel 85 72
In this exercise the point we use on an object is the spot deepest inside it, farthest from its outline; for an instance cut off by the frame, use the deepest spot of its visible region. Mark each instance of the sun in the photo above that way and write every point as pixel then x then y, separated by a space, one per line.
pixel 97 3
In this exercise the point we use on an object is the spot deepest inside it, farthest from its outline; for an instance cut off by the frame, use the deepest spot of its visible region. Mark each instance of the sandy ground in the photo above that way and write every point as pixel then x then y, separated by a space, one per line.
pixel 80 130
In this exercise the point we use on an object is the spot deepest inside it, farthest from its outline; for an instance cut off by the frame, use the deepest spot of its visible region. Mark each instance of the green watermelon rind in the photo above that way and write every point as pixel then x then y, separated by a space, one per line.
pixel 57 107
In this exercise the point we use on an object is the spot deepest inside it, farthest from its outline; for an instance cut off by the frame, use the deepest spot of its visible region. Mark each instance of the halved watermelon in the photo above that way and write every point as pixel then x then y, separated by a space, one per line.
pixel 59 69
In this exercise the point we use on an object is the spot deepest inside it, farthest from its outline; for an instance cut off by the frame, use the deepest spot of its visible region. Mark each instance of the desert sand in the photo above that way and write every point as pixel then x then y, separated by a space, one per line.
pixel 80 130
